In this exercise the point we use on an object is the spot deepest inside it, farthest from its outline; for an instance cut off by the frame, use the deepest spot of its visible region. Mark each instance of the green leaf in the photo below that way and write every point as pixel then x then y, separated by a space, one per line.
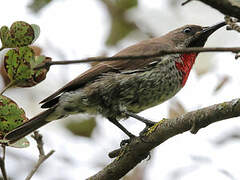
pixel 82 127
pixel 36 30
pixel 22 143
pixel 19 65
pixel 11 116
pixel 20 34
pixel 37 60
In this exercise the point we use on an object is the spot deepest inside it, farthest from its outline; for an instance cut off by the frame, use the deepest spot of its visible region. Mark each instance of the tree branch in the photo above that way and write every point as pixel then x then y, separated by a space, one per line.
pixel 185 2
pixel 227 7
pixel 160 53
pixel 138 149
pixel 42 157
pixel 232 23
pixel 2 163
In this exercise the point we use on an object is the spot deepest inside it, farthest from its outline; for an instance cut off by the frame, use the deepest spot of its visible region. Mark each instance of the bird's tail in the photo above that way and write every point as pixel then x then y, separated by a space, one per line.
pixel 28 127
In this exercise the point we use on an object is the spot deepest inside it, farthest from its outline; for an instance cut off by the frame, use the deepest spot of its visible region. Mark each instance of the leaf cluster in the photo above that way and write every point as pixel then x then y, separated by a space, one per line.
pixel 19 63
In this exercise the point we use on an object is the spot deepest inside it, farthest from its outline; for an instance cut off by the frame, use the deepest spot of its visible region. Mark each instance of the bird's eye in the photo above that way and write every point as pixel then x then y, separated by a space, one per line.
pixel 187 30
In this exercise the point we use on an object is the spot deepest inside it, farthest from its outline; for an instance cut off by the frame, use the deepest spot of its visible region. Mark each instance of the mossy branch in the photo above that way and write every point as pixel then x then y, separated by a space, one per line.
pixel 138 149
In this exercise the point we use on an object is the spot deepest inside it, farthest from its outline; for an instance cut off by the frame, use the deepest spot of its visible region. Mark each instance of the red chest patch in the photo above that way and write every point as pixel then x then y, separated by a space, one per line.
pixel 186 65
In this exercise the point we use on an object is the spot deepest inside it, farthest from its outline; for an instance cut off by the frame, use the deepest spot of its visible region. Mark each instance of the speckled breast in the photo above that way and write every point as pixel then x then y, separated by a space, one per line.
pixel 153 86
pixel 135 90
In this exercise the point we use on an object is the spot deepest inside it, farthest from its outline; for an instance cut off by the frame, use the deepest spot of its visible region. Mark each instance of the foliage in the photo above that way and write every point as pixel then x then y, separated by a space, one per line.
pixel 11 115
pixel 82 128
pixel 20 63
pixel 20 34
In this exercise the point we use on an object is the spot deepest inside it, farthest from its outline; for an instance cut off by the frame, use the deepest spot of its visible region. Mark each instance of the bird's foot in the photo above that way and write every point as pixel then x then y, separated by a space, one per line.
pixel 194 129
pixel 147 122
pixel 127 141
pixel 142 134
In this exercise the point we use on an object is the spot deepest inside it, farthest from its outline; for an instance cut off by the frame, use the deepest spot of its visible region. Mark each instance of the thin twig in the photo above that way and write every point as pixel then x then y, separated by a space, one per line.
pixel 158 54
pixel 42 157
pixel 38 138
pixel 40 161
pixel 7 86
pixel 187 1
pixel 232 23
pixel 2 163
pixel 1 48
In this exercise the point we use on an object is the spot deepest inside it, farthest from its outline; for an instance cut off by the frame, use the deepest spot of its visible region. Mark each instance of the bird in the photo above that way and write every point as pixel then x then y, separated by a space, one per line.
pixel 122 88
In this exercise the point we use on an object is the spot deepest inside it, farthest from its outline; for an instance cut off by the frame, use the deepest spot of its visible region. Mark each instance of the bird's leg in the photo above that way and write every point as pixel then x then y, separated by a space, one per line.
pixel 130 135
pixel 140 118
pixel 115 122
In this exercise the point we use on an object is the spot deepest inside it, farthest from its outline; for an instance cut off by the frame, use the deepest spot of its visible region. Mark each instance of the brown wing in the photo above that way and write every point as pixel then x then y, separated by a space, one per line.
pixel 142 48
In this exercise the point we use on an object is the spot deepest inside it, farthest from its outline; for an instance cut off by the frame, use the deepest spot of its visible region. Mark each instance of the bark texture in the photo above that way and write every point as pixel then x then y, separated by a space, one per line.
pixel 138 149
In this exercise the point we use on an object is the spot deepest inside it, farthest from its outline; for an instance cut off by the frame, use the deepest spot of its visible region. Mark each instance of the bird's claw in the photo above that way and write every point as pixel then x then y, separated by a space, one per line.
pixel 148 125
pixel 124 142
pixel 145 130
pixel 127 141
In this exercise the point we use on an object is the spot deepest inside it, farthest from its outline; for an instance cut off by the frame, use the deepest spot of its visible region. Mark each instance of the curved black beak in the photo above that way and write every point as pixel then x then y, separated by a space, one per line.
pixel 201 37
pixel 207 31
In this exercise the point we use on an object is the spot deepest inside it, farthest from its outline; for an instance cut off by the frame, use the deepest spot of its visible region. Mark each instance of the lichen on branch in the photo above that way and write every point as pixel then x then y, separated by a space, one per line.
pixel 139 148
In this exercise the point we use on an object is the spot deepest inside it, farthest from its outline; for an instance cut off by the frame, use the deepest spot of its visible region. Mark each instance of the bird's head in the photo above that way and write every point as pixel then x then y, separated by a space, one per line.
pixel 192 35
